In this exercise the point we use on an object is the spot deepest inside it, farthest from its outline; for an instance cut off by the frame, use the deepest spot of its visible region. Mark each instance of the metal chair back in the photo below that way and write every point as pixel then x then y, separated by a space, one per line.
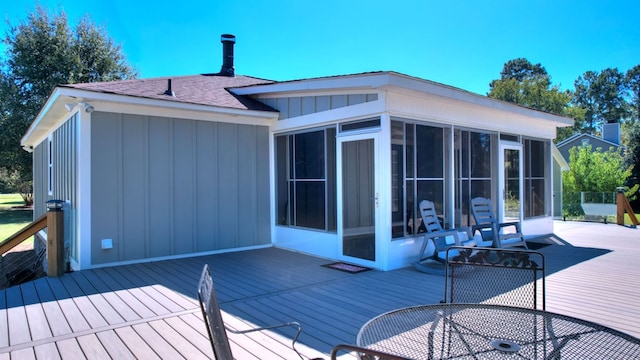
pixel 215 324
pixel 510 277
pixel 363 353
pixel 212 317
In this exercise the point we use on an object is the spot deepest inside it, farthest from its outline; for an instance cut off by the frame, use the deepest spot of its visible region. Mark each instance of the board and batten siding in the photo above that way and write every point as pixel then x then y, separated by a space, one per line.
pixel 64 161
pixel 166 187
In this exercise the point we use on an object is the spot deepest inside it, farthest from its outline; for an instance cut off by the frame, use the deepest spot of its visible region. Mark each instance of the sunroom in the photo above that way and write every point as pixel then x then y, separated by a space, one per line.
pixel 354 155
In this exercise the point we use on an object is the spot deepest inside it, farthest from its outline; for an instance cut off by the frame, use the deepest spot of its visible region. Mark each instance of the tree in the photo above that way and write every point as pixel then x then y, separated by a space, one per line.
pixel 520 69
pixel 526 84
pixel 633 86
pixel 632 130
pixel 42 52
pixel 632 156
pixel 593 171
pixel 602 95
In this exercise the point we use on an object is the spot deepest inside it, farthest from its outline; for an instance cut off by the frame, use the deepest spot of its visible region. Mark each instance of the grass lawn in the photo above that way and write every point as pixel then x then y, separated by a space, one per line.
pixel 12 220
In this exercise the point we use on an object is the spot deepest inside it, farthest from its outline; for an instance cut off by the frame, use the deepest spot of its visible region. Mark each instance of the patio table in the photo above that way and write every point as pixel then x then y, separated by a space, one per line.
pixel 479 331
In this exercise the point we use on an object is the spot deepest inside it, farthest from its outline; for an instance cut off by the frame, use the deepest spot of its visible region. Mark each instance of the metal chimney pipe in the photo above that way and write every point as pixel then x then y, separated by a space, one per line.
pixel 228 41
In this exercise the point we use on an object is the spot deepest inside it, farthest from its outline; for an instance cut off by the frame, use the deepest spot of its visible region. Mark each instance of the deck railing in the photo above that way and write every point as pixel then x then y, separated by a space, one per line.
pixel 53 220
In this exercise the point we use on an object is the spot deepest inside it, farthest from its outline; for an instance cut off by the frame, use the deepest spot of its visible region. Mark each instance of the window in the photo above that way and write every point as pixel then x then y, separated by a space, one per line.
pixel 536 171
pixel 50 165
pixel 417 158
pixel 306 179
pixel 473 154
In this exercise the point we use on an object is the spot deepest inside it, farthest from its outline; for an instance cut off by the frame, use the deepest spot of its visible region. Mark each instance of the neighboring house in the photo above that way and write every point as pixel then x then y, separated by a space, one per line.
pixel 610 139
pixel 335 166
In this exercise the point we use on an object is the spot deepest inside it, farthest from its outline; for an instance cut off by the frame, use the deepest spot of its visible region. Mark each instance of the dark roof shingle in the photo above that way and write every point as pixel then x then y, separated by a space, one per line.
pixel 212 90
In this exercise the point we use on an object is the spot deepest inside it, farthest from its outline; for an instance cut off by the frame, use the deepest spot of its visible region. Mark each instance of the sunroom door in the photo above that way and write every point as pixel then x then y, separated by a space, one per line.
pixel 510 182
pixel 357 198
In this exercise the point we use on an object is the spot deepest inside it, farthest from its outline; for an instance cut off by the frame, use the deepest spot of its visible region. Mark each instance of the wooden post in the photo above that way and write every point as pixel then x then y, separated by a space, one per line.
pixel 55 238
pixel 620 198
pixel 622 205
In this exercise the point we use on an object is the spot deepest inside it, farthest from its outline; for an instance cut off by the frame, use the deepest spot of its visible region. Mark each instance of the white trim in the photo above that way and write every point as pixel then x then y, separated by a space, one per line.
pixel 83 196
pixel 394 82
pixel 380 249
pixel 508 145
pixel 180 256
pixel 55 113
pixel 557 155
pixel 50 164
pixel 450 186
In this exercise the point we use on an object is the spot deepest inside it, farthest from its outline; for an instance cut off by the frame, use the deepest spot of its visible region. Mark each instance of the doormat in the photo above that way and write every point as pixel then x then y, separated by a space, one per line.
pixel 532 245
pixel 353 269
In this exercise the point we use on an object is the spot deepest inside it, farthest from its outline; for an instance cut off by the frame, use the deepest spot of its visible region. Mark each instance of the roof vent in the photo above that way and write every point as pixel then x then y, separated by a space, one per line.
pixel 169 91
pixel 228 41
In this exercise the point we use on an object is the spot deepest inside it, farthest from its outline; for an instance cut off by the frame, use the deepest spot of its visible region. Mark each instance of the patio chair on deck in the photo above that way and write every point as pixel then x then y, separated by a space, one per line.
pixel 495 276
pixel 215 325
pixel 491 229
pixel 440 240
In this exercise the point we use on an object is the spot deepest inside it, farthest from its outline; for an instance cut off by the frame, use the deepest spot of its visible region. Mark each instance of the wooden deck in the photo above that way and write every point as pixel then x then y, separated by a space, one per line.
pixel 149 310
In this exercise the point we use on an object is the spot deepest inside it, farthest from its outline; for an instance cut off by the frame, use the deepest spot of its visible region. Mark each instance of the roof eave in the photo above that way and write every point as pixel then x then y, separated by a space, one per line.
pixel 393 81
pixel 54 111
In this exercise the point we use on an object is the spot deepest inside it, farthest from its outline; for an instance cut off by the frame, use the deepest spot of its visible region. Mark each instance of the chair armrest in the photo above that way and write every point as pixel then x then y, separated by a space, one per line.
pixel 516 224
pixel 442 235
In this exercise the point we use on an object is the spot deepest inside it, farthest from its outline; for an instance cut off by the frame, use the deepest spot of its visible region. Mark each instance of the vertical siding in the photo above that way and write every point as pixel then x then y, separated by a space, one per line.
pixel 65 175
pixel 106 184
pixel 160 183
pixel 40 195
pixel 64 182
pixel 175 186
pixel 183 199
pixel 228 185
pixel 133 182
pixel 206 209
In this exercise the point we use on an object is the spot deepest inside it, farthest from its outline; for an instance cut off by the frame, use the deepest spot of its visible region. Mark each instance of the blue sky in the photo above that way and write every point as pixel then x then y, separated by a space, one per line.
pixel 455 42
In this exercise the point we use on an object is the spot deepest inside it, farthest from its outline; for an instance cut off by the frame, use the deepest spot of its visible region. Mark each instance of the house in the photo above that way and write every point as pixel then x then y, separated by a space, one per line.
pixel 610 139
pixel 333 166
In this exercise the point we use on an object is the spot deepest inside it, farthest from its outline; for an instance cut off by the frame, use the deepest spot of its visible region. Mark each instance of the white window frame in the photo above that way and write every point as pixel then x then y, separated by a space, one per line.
pixel 50 164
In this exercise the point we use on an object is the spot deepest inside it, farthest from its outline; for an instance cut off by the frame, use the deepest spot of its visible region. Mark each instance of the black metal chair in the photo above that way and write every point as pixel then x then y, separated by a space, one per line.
pixel 363 353
pixel 215 324
pixel 495 276
pixel 491 229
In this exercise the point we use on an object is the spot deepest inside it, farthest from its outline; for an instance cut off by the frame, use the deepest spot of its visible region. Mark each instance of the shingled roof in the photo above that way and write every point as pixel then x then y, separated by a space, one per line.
pixel 205 89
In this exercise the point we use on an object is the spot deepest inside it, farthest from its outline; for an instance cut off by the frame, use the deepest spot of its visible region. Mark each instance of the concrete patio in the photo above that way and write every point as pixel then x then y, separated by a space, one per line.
pixel 149 310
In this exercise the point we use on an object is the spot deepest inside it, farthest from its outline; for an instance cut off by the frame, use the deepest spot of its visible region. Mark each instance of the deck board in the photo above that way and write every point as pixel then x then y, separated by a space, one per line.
pixel 92 347
pixel 133 341
pixel 72 313
pixel 125 312
pixel 157 342
pixel 149 310
pixel 114 346
pixel 69 349
pixel 47 351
